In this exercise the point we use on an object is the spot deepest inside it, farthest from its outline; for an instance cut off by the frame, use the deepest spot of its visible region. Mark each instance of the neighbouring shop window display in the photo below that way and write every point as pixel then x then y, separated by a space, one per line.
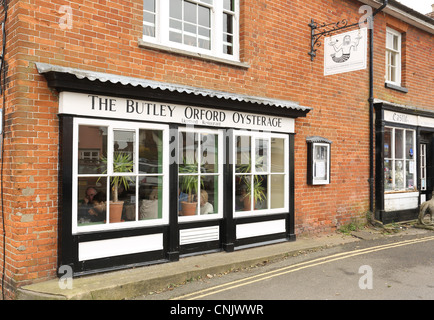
pixel 204 26
pixel 399 159
pixel 200 174
pixel 260 173
pixel 124 180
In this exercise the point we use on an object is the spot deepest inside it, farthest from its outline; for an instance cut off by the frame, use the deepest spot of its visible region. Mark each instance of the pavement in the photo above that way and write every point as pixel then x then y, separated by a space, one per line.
pixel 131 283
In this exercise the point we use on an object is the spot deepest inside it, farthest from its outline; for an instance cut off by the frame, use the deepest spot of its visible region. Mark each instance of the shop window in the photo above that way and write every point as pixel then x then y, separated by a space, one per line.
pixel 120 175
pixel 399 159
pixel 260 173
pixel 201 26
pixel 200 174
pixel 393 57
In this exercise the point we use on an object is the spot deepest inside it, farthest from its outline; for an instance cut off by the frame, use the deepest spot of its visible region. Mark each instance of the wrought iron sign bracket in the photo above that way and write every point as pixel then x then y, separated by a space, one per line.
pixel 322 30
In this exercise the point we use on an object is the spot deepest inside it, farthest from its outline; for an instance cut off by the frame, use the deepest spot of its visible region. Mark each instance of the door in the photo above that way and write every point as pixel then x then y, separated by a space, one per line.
pixel 426 158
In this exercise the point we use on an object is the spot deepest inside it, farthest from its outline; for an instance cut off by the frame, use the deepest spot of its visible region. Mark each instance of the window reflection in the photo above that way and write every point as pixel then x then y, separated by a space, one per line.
pixel 92 146
pixel 198 174
pixel 92 201
pixel 124 187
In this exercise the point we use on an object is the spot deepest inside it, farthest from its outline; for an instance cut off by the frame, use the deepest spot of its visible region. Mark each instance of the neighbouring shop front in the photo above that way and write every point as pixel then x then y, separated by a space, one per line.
pixel 193 170
pixel 404 161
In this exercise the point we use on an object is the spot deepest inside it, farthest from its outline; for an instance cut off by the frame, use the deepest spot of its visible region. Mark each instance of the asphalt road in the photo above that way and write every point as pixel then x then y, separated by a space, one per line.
pixel 391 268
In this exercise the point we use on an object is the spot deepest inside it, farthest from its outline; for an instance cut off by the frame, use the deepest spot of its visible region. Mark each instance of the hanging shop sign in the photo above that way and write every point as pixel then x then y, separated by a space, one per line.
pixel 120 108
pixel 345 52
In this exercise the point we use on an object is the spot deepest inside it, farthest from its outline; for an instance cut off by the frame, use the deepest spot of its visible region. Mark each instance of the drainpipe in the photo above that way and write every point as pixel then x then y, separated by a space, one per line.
pixel 371 105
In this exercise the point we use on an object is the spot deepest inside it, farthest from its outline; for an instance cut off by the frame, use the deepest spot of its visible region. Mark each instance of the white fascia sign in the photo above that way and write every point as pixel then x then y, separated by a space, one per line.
pixel 93 105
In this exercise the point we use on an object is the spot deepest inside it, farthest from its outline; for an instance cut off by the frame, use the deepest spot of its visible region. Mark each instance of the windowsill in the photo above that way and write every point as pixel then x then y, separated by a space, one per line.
pixel 395 87
pixel 153 46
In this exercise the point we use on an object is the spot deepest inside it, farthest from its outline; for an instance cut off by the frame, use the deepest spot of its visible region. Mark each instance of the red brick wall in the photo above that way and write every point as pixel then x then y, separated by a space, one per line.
pixel 274 41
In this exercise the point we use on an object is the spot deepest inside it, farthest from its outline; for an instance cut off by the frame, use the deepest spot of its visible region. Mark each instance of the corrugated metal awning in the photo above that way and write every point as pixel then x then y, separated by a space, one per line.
pixel 81 74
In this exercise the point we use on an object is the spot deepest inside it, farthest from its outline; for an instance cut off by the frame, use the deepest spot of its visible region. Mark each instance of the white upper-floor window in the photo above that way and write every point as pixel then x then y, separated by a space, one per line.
pixel 201 26
pixel 393 56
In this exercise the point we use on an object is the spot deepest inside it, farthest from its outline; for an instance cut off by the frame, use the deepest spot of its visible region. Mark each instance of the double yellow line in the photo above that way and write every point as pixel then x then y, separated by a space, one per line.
pixel 296 267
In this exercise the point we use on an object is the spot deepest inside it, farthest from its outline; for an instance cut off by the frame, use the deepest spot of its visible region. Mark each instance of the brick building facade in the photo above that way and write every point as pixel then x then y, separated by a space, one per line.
pixel 86 81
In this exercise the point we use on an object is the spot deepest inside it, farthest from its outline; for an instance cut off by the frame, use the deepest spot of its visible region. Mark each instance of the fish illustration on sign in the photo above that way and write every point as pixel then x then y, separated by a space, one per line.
pixel 343 50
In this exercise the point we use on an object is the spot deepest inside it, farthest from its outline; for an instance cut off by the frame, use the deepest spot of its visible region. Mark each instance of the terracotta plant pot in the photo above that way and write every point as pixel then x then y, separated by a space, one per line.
pixel 116 211
pixel 248 204
pixel 189 208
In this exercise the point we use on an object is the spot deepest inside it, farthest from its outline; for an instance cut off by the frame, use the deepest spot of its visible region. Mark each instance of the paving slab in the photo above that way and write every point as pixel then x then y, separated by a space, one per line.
pixel 130 283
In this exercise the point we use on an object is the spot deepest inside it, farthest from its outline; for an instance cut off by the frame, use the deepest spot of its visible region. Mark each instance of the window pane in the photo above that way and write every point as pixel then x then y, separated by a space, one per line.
pixel 243 151
pixel 393 59
pixel 122 197
pixel 399 142
pixel 204 17
pixel 175 37
pixel 188 142
pixel 209 195
pixel 228 5
pixel 92 200
pixel 261 155
pixel 209 153
pixel 389 40
pixel 409 143
pixel 204 44
pixel 190 40
pixel 387 142
pixel 277 155
pixel 123 150
pixel 188 190
pixel 92 148
pixel 260 192
pixel 395 45
pixel 388 178
pixel 150 151
pixel 190 28
pixel 242 193
pixel 176 9
pixel 227 23
pixel 409 174
pixel 149 5
pixel 277 191
pixel 399 175
pixel 149 17
pixel 149 31
pixel 190 12
pixel 150 197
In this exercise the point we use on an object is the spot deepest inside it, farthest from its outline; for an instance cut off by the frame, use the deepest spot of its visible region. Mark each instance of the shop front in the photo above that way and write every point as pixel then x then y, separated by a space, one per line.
pixel 404 165
pixel 150 172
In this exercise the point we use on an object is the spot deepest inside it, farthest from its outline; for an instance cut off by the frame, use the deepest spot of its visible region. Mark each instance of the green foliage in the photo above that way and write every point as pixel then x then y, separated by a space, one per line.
pixel 122 163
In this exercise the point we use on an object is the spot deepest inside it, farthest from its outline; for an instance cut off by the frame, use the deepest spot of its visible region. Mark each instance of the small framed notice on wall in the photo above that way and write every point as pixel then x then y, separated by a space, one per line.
pixel 318 160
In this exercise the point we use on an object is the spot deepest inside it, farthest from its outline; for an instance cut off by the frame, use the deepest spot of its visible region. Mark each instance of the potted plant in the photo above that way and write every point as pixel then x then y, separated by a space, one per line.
pixel 122 163
pixel 258 190
pixel 189 185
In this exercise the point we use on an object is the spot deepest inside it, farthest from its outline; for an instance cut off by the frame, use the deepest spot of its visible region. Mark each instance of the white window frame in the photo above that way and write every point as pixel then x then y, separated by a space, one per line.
pixel 162 30
pixel 119 125
pixel 219 213
pixel 398 53
pixel 393 160
pixel 262 135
